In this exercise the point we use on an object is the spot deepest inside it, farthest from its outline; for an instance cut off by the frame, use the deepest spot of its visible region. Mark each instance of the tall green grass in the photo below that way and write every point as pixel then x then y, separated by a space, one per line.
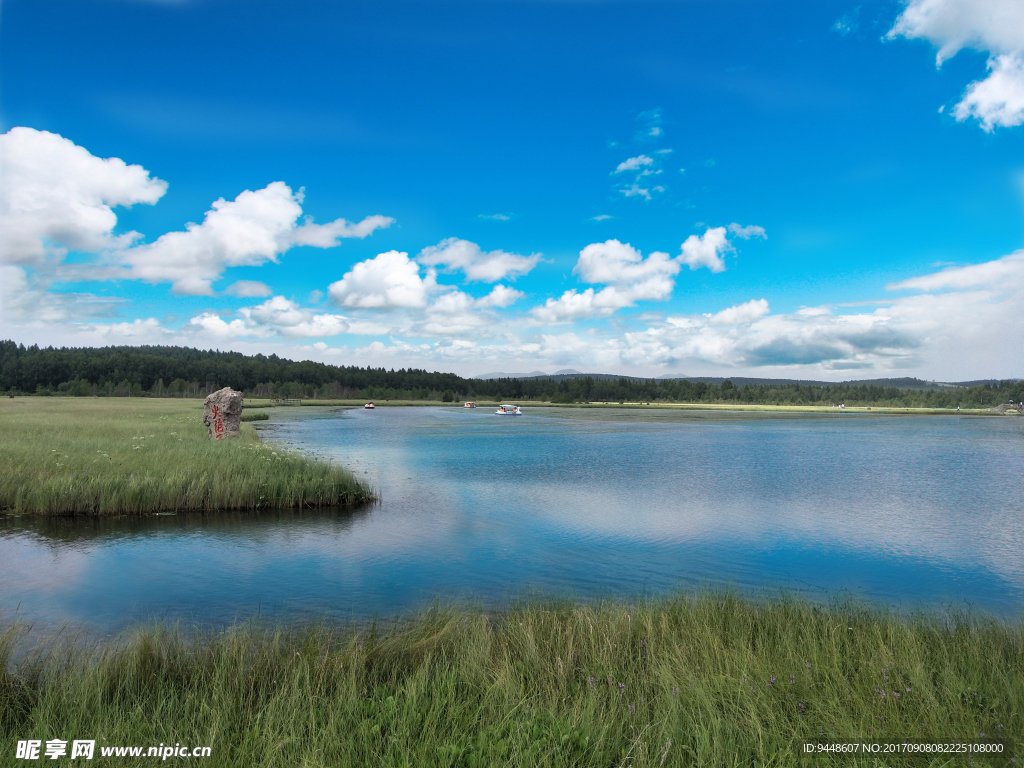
pixel 683 682
pixel 63 456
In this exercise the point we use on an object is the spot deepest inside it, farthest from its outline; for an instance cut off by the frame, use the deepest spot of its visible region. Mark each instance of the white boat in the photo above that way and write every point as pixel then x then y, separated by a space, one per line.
pixel 469 405
pixel 509 410
pixel 370 405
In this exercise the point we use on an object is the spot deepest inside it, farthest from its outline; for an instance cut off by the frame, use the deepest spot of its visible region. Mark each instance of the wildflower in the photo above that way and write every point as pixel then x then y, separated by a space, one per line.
pixel 896 694
pixel 773 678
pixel 908 689
pixel 792 679
pixel 643 643
pixel 632 709
pixel 675 692
pixel 801 705
pixel 590 681
pixel 622 689
pixel 808 665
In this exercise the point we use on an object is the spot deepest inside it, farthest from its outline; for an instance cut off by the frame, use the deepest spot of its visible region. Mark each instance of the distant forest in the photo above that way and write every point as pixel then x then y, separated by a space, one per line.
pixel 183 372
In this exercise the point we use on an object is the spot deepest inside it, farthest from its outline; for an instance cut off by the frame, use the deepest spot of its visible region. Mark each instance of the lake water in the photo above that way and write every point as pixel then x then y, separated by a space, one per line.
pixel 913 512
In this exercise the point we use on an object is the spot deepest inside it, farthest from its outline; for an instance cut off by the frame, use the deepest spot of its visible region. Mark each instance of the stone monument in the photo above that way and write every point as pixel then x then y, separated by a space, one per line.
pixel 223 413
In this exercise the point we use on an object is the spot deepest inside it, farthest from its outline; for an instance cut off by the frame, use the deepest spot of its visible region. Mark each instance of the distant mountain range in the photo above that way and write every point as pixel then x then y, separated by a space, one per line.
pixel 739 381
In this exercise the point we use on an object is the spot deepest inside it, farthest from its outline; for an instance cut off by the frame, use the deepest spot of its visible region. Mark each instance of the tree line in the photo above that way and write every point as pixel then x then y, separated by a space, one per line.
pixel 157 371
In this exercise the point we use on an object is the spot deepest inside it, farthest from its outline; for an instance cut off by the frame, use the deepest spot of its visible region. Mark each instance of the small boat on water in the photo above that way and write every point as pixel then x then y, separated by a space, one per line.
pixel 509 410
pixel 370 405
pixel 469 405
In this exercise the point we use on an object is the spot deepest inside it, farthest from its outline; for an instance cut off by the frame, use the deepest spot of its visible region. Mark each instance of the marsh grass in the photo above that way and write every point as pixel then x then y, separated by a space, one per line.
pixel 681 682
pixel 111 456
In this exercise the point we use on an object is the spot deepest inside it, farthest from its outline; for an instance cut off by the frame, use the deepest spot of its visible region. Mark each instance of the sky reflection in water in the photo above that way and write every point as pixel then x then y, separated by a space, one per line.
pixel 912 511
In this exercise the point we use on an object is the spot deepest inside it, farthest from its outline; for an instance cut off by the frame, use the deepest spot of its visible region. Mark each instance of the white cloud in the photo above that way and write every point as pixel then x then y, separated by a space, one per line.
pixel 25 301
pixel 612 262
pixel 747 232
pixel 500 296
pixel 254 228
pixel 213 325
pixel 289 319
pixel 601 217
pixel 998 100
pixel 248 289
pixel 328 235
pixel 495 216
pixel 57 197
pixel 951 25
pixel 995 26
pixel 134 332
pixel 388 280
pixel 634 164
pixel 635 190
pixel 706 250
pixel 275 316
pixel 628 276
pixel 739 314
pixel 1007 270
pixel 477 265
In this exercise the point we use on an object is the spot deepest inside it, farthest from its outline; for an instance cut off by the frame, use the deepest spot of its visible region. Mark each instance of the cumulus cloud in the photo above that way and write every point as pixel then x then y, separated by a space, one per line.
pixel 628 278
pixel 248 289
pixel 706 250
pixel 740 313
pixel 57 197
pixel 994 26
pixel 612 262
pixel 275 316
pixel 387 281
pixel 289 319
pixel 500 296
pixel 476 264
pixel 214 325
pixel 254 228
pixel 998 100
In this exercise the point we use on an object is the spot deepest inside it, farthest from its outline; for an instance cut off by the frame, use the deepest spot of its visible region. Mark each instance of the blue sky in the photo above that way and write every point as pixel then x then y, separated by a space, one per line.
pixel 822 189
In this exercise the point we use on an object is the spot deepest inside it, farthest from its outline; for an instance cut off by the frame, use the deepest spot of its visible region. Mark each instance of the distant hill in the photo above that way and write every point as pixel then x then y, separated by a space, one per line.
pixel 741 381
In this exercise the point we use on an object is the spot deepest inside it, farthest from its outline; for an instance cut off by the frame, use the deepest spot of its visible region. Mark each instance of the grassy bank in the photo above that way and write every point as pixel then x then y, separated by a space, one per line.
pixel 707 682
pixel 63 456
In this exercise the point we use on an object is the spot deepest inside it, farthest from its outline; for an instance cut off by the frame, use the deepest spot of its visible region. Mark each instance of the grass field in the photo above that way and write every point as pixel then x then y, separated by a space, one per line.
pixel 714 681
pixel 111 456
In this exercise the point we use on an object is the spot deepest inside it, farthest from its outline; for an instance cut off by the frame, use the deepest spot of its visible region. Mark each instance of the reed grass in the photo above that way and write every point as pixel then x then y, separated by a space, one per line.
pixel 107 456
pixel 709 681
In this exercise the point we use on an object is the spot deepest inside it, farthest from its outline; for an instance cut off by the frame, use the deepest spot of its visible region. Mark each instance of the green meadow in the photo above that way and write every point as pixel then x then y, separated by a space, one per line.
pixel 117 456
pixel 709 681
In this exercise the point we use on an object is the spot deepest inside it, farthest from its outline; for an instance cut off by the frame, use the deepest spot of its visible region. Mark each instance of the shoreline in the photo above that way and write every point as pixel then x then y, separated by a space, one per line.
pixel 139 456
pixel 484 404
